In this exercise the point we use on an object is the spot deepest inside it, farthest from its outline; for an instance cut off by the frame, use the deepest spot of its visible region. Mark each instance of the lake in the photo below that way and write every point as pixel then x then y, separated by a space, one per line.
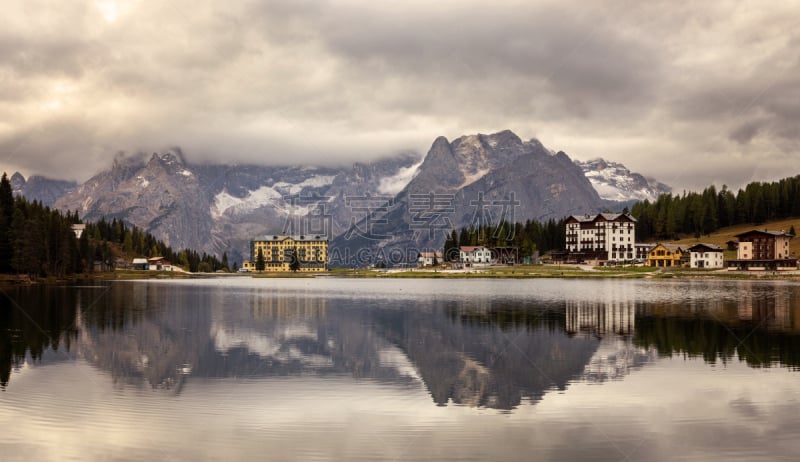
pixel 399 369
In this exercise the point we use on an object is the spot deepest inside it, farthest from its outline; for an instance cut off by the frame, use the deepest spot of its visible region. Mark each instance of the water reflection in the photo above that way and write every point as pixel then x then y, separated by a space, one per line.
pixel 483 352
pixel 34 323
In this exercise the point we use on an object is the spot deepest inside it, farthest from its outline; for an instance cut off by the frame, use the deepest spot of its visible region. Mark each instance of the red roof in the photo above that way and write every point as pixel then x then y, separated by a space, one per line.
pixel 471 248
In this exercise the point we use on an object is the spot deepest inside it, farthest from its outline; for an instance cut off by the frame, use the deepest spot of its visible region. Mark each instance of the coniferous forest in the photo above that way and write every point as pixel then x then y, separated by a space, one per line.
pixel 38 241
pixel 526 237
pixel 703 213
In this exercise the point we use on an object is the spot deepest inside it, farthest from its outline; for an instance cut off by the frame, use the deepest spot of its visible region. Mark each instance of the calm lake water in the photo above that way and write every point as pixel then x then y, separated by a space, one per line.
pixel 342 369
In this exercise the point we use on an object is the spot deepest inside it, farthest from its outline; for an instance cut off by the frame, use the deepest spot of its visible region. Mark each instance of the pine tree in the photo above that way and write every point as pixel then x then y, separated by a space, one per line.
pixel 6 217
pixel 260 263
pixel 294 261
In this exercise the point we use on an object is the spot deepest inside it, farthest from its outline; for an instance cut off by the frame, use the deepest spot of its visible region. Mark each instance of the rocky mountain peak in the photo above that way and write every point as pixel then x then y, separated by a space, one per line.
pixel 40 188
pixel 598 163
pixel 17 181
pixel 504 144
pixel 440 168
pixel 170 162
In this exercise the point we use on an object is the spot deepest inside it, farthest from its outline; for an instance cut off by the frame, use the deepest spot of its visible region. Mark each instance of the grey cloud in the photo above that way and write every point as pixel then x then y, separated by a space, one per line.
pixel 558 52
pixel 332 82
pixel 745 132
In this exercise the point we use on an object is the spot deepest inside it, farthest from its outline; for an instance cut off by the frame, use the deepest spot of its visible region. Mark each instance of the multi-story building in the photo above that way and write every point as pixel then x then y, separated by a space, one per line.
pixel 763 245
pixel 605 236
pixel 278 252
pixel 763 250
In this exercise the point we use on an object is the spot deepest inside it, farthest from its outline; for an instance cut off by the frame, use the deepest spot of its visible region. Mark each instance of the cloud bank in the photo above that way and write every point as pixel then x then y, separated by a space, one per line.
pixel 689 94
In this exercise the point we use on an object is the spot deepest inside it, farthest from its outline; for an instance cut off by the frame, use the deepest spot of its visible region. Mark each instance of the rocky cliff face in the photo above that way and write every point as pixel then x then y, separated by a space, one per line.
pixel 474 180
pixel 219 208
pixel 162 196
pixel 247 201
pixel 46 190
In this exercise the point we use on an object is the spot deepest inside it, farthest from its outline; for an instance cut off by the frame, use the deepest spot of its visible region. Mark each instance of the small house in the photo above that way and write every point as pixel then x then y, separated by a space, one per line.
pixel 159 264
pixel 475 254
pixel 140 264
pixel 665 256
pixel 78 229
pixel 428 258
pixel 705 256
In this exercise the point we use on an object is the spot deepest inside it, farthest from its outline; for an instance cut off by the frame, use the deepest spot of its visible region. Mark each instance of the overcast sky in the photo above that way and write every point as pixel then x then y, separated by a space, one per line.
pixel 690 94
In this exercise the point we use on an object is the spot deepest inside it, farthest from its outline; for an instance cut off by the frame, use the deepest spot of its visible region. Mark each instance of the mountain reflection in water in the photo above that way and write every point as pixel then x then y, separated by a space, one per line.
pixel 494 352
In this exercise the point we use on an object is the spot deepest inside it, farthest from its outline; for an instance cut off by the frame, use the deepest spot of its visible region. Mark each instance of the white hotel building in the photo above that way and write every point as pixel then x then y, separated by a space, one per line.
pixel 605 236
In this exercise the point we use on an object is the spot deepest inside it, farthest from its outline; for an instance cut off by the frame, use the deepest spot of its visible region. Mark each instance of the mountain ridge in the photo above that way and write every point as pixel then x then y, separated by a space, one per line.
pixel 217 208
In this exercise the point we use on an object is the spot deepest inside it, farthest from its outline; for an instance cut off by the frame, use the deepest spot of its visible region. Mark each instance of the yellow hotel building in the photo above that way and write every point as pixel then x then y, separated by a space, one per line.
pixel 311 252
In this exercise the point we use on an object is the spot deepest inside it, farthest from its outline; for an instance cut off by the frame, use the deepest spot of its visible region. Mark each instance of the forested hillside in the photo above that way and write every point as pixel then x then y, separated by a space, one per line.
pixel 703 213
pixel 39 241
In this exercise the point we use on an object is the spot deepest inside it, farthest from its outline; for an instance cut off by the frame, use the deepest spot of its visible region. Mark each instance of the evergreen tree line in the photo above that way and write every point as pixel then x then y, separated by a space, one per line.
pixel 39 241
pixel 714 341
pixel 526 237
pixel 703 213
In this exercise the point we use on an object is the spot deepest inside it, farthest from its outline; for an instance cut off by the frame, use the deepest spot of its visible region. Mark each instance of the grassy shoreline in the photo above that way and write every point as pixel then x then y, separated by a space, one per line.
pixel 514 272
pixel 568 272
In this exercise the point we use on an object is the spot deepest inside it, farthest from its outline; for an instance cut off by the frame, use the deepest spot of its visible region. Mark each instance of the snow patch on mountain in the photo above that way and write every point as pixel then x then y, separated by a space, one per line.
pixel 273 196
pixel 613 181
pixel 395 183
pixel 317 181
pixel 224 201
pixel 470 178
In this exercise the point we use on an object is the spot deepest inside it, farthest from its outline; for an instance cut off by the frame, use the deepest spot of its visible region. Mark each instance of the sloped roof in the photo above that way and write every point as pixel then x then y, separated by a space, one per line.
pixel 471 248
pixel 583 218
pixel 617 216
pixel 294 237
pixel 674 248
pixel 606 216
pixel 705 248
pixel 765 231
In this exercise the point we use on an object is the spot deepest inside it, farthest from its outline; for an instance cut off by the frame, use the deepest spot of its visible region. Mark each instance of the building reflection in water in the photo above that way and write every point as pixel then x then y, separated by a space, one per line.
pixel 612 319
pixel 277 304
pixel 485 352
pixel 753 321
pixel 600 318
pixel 775 308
